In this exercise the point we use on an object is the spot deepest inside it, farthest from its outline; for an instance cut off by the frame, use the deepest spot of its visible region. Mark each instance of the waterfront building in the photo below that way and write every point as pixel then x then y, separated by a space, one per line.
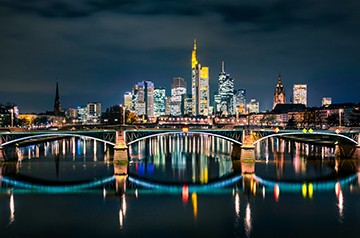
pixel 199 86
pixel 159 101
pixel 326 101
pixel 279 95
pixel 93 110
pixel 134 98
pixel 8 115
pixel 240 101
pixel 81 114
pixel 144 98
pixel 128 100
pixel 225 93
pixel 72 113
pixel 300 94
pixel 253 106
pixel 178 88
pixel 187 104
pixel 167 105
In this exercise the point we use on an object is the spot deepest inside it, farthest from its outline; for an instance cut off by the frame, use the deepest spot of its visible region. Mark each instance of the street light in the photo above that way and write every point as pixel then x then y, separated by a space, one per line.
pixel 124 114
pixel 12 117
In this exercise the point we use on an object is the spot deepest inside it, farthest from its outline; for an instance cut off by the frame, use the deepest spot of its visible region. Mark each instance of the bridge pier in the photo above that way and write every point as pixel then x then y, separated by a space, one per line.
pixel 9 153
pixel 347 151
pixel 247 153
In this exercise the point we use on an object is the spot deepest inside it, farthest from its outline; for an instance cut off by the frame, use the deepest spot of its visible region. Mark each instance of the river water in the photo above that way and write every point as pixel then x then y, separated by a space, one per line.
pixel 179 186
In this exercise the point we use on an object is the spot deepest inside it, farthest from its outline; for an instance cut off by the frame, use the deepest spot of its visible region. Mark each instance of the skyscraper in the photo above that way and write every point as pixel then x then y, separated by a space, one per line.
pixel 225 92
pixel 253 106
pixel 199 86
pixel 128 100
pixel 159 101
pixel 240 101
pixel 145 98
pixel 178 88
pixel 93 112
pixel 300 94
pixel 279 95
pixel 57 107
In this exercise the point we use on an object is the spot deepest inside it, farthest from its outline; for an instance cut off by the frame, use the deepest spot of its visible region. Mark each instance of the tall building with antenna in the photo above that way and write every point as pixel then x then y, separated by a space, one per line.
pixel 199 86
pixel 225 92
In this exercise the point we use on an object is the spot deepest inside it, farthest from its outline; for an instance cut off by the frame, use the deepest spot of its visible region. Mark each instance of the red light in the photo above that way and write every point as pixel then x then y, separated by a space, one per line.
pixel 185 194
pixel 276 192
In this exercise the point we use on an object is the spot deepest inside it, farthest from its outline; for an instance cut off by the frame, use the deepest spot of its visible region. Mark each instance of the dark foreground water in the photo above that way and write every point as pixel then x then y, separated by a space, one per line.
pixel 179 187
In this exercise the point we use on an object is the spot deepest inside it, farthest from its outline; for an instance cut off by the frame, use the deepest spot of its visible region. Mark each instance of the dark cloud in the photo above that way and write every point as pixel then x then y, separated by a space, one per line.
pixel 100 49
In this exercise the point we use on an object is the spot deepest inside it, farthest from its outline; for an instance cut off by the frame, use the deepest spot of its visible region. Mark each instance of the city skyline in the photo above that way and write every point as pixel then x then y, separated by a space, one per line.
pixel 98 51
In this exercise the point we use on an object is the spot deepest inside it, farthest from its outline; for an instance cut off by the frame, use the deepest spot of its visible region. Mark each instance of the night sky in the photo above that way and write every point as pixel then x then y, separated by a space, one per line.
pixel 98 49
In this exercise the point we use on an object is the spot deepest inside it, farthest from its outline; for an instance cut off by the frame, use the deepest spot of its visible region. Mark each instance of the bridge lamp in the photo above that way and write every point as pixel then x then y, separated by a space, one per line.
pixel 185 129
pixel 276 129
pixel 337 131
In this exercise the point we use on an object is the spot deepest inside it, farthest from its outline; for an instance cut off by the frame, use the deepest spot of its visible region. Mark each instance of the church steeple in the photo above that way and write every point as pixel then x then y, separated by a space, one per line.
pixel 57 107
pixel 279 95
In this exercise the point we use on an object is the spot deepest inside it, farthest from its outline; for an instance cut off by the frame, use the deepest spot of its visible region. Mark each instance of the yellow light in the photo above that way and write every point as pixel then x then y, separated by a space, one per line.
pixel 304 191
pixel 276 129
pixel 205 72
pixel 311 190
pixel 304 130
pixel 311 130
pixel 194 203
pixel 337 131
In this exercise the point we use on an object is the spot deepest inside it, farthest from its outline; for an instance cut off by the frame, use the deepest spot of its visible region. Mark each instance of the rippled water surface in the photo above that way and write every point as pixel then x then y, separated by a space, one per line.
pixel 179 186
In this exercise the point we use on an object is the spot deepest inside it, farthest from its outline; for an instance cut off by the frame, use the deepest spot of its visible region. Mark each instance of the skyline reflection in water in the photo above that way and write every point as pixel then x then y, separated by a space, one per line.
pixel 312 185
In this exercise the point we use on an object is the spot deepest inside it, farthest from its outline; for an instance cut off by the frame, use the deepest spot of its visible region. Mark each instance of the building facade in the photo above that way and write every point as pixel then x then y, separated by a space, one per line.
pixel 178 89
pixel 253 106
pixel 300 94
pixel 93 112
pixel 240 101
pixel 159 101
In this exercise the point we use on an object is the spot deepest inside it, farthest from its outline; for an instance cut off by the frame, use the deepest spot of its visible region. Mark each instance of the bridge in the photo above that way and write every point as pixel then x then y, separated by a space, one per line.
pixel 238 136
pixel 346 140
pixel 11 138
pixel 133 136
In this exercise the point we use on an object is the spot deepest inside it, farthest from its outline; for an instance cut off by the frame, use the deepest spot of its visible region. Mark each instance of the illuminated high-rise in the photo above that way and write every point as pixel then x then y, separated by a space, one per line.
pixel 279 95
pixel 159 101
pixel 253 106
pixel 300 94
pixel 199 86
pixel 225 93
pixel 93 112
pixel 240 101
pixel 326 101
pixel 128 100
pixel 144 98
pixel 178 89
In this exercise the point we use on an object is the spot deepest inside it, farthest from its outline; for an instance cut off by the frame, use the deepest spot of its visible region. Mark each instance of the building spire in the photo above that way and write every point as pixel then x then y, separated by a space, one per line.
pixel 194 61
pixel 222 67
pixel 57 108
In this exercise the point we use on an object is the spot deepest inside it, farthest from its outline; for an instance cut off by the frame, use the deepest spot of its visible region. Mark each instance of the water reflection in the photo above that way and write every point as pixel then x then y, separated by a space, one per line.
pixel 168 175
pixel 172 159
pixel 12 209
